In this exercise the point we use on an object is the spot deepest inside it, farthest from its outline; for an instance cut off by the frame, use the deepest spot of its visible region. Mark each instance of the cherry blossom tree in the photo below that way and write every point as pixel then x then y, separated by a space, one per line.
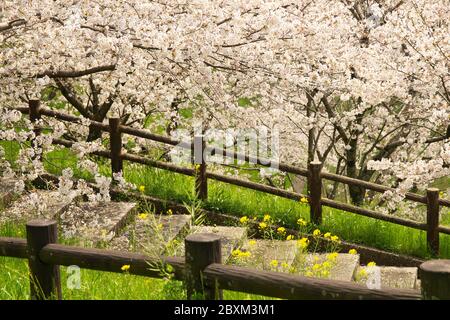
pixel 360 85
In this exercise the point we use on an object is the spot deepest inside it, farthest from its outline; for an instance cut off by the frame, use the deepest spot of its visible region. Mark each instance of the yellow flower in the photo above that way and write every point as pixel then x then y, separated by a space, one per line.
pixel 371 264
pixel 441 194
pixel 335 238
pixel 252 242
pixel 301 222
pixel 159 226
pixel 304 200
pixel 317 233
pixel 143 216
pixel 290 237
pixel 274 263
pixel 316 267
pixel 243 220
pixel 197 167
pixel 303 243
pixel 309 274
pixel 125 267
pixel 327 235
pixel 244 254
pixel 332 256
pixel 169 212
pixel 141 188
pixel 262 225
pixel 235 253
pixel 362 272
pixel 324 273
pixel 266 218
pixel 352 251
pixel 326 264
pixel 284 265
pixel 281 230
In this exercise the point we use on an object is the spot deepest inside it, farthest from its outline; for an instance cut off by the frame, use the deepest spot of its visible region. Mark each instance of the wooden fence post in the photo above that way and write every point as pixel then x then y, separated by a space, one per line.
pixel 435 279
pixel 201 181
pixel 433 220
pixel 115 143
pixel 315 191
pixel 201 250
pixel 45 281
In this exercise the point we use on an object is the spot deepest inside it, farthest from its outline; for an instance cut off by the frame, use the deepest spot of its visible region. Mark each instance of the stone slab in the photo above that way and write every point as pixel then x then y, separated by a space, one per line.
pixel 43 204
pixel 342 268
pixel 264 253
pixel 156 234
pixel 95 221
pixel 391 277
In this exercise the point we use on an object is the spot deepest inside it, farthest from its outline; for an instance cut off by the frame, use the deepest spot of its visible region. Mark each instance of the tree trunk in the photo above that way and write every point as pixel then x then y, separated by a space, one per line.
pixel 356 193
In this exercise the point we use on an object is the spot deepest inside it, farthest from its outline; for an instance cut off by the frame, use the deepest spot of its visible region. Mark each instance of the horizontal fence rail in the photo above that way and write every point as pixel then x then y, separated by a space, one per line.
pixel 202 270
pixel 313 174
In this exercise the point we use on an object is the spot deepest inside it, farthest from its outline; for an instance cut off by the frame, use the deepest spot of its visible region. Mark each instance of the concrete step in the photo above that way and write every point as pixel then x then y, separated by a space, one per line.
pixel 152 234
pixel 95 222
pixel 37 204
pixel 271 255
pixel 389 277
pixel 334 266
pixel 231 239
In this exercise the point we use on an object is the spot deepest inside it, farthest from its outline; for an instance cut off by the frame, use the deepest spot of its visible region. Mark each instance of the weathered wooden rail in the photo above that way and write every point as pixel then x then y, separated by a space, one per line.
pixel 199 148
pixel 201 269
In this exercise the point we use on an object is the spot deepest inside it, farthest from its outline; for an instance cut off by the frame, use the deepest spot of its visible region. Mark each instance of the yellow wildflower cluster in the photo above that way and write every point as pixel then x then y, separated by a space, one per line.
pixel 290 237
pixel 301 222
pixel 141 188
pixel 303 243
pixel 262 225
pixel 304 200
pixel 317 233
pixel 352 251
pixel 169 212
pixel 322 269
pixel 333 238
pixel 267 218
pixel 281 231
pixel 143 216
pixel 240 254
pixel 125 267
pixel 332 256
pixel 252 242
pixel 243 220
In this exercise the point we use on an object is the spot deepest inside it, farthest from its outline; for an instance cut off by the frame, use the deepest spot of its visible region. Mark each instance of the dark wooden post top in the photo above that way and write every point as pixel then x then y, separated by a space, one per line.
pixel 435 279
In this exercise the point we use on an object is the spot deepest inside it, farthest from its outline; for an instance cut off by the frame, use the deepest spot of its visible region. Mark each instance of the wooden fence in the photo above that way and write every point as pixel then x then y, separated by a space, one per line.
pixel 313 174
pixel 204 275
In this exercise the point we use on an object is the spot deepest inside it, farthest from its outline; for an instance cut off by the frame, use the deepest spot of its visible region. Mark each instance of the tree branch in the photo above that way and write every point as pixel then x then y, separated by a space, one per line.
pixel 76 74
